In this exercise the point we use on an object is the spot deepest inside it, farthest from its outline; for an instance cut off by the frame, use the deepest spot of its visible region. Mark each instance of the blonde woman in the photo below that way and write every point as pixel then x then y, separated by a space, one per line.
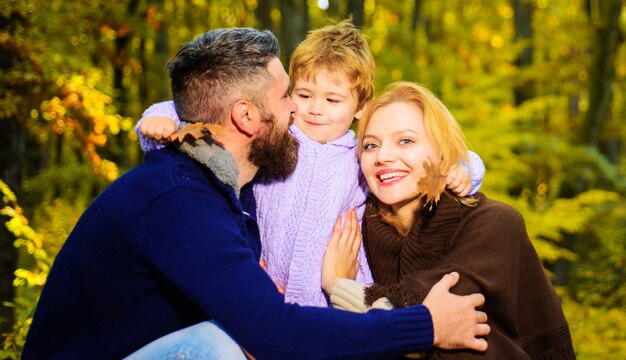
pixel 414 231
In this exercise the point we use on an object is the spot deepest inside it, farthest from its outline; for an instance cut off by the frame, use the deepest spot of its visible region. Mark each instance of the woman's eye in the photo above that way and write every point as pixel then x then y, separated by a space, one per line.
pixel 369 146
pixel 406 141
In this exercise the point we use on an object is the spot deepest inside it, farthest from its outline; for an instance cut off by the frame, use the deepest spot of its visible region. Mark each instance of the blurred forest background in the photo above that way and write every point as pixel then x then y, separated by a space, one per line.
pixel 538 85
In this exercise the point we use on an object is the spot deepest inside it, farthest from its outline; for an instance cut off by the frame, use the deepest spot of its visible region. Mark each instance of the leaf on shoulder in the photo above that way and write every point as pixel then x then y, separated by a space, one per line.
pixel 196 131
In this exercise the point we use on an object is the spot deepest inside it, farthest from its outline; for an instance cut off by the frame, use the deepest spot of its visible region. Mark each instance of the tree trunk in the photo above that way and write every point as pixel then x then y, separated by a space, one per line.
pixel 523 10
pixel 294 25
pixel 602 71
pixel 162 54
pixel 264 13
pixel 356 8
pixel 12 135
pixel 416 16
pixel 333 8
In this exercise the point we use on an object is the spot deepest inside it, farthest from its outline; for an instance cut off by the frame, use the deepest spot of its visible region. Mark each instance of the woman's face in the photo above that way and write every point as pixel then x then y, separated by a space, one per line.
pixel 395 147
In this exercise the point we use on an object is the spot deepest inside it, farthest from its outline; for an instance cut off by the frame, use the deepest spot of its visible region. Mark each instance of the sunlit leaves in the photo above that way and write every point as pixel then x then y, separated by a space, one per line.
pixel 85 116
pixel 598 333
pixel 26 238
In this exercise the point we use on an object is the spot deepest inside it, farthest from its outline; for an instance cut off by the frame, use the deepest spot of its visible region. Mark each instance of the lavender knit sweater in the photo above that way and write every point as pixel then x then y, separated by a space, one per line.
pixel 296 216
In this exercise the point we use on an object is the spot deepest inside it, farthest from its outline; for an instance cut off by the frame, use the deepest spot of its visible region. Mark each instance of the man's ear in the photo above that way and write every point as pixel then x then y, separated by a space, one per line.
pixel 245 116
pixel 359 113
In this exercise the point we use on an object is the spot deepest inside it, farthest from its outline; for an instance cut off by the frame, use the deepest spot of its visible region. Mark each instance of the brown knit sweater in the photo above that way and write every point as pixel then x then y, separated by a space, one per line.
pixel 488 245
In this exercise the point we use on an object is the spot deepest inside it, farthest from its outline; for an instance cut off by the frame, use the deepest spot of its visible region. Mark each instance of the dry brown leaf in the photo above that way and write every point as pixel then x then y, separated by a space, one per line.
pixel 197 131
pixel 432 184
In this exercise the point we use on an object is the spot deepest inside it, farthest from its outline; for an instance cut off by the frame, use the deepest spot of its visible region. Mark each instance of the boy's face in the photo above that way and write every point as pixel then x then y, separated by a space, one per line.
pixel 326 106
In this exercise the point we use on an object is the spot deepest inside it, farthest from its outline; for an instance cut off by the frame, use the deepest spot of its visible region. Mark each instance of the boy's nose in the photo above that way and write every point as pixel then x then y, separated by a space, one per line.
pixel 315 107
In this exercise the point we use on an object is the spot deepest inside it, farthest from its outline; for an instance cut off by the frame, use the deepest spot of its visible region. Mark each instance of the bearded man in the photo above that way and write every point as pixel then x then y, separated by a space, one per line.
pixel 164 263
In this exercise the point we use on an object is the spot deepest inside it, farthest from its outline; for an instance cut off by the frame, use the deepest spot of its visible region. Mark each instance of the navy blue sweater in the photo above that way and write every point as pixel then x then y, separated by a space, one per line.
pixel 169 245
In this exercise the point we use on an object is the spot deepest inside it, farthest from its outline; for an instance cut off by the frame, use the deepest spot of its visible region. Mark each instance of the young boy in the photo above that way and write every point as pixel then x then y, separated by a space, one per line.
pixel 332 78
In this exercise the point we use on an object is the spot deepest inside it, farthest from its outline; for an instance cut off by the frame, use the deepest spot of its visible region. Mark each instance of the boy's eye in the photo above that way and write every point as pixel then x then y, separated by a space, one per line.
pixel 303 96
pixel 369 146
pixel 333 101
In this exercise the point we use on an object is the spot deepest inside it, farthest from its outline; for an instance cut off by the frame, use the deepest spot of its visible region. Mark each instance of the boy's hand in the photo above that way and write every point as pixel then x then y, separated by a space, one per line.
pixel 458 181
pixel 340 259
pixel 456 322
pixel 157 127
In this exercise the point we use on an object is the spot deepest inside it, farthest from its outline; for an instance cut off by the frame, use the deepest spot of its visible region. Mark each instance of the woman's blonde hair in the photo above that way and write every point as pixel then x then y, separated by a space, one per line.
pixel 442 130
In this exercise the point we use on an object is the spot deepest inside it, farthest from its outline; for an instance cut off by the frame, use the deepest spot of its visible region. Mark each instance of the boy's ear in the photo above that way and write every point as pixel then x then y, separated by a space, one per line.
pixel 360 112
pixel 245 117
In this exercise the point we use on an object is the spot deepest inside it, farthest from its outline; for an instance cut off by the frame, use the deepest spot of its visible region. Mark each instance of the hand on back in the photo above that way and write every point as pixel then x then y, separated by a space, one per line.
pixel 456 322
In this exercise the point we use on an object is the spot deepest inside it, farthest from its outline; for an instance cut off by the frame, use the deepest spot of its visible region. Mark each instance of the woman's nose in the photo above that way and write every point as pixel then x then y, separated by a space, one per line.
pixel 384 155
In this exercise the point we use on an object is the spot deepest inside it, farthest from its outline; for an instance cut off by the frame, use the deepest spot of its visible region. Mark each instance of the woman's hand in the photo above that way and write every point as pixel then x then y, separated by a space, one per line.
pixel 340 259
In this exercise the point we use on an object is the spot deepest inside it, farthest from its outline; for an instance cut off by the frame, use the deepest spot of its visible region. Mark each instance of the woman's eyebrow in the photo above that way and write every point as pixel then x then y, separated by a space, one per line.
pixel 367 136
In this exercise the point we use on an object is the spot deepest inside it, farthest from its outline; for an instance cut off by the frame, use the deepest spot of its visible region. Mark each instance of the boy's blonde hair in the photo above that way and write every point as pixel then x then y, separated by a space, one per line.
pixel 340 49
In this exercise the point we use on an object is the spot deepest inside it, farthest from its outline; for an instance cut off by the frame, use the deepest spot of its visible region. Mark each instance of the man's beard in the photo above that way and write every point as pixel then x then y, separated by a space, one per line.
pixel 274 152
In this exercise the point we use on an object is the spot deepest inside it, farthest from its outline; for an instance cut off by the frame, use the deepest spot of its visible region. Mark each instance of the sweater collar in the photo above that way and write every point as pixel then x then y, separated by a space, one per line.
pixel 215 158
pixel 346 140
pixel 438 224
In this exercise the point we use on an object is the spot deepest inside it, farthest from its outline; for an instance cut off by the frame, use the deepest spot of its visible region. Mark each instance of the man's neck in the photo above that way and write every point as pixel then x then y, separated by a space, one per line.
pixel 240 150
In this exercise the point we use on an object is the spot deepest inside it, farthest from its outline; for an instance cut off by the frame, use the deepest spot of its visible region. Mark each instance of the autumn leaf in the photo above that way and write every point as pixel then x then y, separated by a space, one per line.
pixel 197 131
pixel 432 184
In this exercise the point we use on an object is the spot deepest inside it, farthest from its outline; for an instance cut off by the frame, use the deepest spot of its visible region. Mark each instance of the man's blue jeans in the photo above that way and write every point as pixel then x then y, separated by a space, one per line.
pixel 203 341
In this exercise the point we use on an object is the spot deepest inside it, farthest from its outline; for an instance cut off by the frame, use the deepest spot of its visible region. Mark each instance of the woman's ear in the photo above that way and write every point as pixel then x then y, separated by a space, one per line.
pixel 245 116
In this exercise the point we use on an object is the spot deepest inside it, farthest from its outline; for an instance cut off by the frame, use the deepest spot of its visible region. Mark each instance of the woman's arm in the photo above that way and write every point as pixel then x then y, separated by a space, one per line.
pixel 349 295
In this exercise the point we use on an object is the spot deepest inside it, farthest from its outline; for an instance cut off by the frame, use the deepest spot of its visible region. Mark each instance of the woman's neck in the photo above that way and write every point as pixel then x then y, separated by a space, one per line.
pixel 406 212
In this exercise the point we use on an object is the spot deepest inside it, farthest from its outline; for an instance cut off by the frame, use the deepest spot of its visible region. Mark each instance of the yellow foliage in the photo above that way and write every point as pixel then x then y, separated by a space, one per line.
pixel 83 115
pixel 26 238
pixel 597 333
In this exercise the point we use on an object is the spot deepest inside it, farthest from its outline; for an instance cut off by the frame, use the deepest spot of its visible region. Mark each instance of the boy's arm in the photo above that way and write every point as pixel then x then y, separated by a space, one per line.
pixel 476 170
pixel 162 109
pixel 464 179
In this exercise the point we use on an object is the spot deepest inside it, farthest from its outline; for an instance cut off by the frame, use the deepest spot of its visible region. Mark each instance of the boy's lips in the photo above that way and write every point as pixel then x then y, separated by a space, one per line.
pixel 388 177
pixel 312 123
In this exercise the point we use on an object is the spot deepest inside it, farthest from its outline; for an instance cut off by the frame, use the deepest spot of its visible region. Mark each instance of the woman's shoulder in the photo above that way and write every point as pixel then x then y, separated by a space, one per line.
pixel 495 210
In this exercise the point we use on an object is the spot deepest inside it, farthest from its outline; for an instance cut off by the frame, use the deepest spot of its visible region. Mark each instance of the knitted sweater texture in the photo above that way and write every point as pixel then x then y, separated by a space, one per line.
pixel 170 244
pixel 296 216
pixel 489 247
